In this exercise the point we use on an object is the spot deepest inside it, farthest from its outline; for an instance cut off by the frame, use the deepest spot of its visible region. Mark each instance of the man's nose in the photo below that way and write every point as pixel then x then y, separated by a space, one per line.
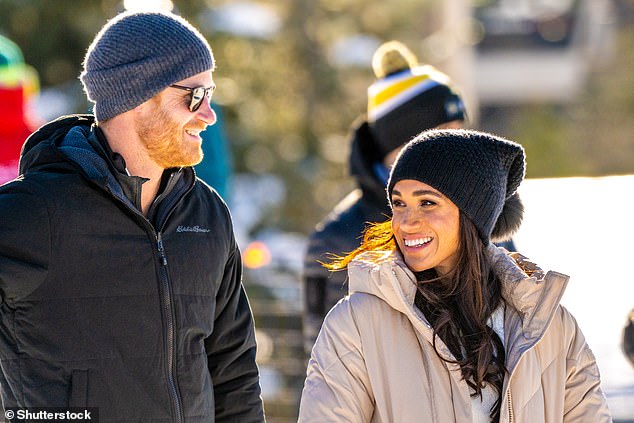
pixel 207 114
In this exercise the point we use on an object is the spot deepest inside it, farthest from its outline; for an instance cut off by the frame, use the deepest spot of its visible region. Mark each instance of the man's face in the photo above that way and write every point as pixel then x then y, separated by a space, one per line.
pixel 169 130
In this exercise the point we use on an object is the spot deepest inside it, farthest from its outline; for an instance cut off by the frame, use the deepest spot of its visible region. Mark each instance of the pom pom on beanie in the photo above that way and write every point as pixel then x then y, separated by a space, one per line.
pixel 407 98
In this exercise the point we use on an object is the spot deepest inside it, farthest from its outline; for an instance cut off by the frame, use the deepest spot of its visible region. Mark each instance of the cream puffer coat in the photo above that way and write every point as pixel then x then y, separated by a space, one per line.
pixel 374 360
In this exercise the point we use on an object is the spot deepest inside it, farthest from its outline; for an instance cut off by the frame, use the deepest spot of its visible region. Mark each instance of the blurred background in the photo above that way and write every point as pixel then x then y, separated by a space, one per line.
pixel 555 75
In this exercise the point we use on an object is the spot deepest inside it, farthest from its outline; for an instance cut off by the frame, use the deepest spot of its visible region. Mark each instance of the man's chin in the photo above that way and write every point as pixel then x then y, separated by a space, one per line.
pixel 198 159
pixel 187 161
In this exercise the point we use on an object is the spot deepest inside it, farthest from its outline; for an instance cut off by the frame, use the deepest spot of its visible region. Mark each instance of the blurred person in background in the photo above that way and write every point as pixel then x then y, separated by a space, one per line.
pixel 18 85
pixel 216 168
pixel 405 99
pixel 442 325
pixel 628 337
pixel 120 275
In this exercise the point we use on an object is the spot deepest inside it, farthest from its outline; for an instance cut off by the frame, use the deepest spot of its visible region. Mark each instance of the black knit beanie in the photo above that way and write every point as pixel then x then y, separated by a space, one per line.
pixel 477 171
pixel 138 54
pixel 407 98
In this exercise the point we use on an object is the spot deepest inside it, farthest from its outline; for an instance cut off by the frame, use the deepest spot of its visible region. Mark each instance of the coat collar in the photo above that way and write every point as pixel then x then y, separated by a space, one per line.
pixel 532 296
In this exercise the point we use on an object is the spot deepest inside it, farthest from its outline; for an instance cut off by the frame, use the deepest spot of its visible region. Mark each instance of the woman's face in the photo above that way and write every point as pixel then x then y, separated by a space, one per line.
pixel 426 226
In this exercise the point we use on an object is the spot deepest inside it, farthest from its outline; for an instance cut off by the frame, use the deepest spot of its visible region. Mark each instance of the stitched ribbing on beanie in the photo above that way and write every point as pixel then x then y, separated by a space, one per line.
pixel 137 55
pixel 390 92
pixel 478 172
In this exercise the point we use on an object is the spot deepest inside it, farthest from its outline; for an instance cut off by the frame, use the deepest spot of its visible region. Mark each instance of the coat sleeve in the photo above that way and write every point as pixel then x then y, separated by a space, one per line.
pixel 321 288
pixel 25 241
pixel 231 351
pixel 337 387
pixel 583 396
pixel 314 291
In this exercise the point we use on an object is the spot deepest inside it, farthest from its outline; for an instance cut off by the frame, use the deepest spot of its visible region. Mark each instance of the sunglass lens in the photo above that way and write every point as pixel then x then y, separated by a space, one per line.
pixel 198 95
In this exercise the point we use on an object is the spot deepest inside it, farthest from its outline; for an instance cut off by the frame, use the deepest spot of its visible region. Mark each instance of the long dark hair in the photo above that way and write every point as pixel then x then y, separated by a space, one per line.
pixel 458 306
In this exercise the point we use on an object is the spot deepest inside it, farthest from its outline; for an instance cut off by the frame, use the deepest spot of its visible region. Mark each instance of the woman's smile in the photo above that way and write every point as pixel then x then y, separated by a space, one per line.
pixel 425 225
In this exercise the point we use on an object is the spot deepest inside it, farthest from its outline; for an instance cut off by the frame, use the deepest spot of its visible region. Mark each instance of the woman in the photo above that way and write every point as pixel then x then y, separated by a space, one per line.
pixel 440 325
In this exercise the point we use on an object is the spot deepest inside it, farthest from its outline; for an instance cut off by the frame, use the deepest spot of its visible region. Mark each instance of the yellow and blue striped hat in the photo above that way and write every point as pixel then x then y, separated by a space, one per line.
pixel 408 98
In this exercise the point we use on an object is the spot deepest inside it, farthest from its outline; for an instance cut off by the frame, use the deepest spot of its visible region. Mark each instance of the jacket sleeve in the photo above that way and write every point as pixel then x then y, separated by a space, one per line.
pixel 231 351
pixel 321 288
pixel 337 387
pixel 583 396
pixel 25 241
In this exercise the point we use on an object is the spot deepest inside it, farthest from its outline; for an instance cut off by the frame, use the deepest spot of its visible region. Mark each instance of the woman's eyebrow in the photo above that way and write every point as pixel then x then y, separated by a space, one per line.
pixel 419 192
pixel 426 192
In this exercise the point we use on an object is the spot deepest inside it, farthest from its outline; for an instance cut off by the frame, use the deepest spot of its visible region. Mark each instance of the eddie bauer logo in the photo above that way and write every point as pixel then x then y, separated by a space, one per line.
pixel 191 229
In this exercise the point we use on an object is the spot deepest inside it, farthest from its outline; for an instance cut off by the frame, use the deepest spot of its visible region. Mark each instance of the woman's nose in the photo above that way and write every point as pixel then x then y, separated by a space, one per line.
pixel 411 219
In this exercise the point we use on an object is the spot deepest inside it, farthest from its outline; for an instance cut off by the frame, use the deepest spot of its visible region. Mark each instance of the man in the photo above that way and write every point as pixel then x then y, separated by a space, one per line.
pixel 405 99
pixel 119 273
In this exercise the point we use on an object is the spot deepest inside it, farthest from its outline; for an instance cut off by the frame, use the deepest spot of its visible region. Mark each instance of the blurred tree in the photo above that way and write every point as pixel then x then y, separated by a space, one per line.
pixel 53 35
pixel 287 103
pixel 602 128
pixel 290 95
pixel 591 136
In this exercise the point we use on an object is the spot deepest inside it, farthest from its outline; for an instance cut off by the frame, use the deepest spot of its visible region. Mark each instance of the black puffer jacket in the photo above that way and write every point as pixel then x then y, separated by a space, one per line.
pixel 340 232
pixel 147 320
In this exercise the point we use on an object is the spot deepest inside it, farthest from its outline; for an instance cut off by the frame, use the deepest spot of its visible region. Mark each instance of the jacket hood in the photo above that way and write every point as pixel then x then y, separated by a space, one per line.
pixel 40 148
pixel 533 294
pixel 71 143
pixel 363 155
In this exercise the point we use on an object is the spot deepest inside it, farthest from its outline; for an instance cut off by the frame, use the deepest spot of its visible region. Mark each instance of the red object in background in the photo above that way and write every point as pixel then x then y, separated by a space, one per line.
pixel 14 130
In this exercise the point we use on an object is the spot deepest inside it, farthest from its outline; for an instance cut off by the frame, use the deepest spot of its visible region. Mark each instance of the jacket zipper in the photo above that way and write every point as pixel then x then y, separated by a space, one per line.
pixel 510 404
pixel 167 307
pixel 166 300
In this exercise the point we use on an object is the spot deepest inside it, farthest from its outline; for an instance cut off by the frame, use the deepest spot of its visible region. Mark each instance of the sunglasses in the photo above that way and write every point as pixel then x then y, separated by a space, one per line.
pixel 197 94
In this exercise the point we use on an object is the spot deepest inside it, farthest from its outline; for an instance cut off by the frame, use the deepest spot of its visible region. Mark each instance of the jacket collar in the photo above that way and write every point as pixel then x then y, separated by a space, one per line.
pixel 130 185
pixel 362 160
pixel 174 181
pixel 531 295
pixel 75 142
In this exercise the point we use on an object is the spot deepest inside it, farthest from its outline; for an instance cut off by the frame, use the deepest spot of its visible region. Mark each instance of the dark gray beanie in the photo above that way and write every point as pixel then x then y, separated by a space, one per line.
pixel 137 55
pixel 477 171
